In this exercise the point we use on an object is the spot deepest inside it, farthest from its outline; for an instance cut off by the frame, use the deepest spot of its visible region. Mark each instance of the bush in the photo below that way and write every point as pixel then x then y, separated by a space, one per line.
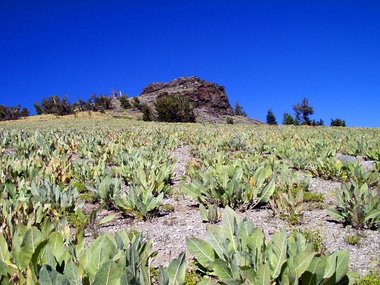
pixel 12 113
pixel 147 113
pixel 229 121
pixel 171 108
pixel 54 105
pixel 100 103
pixel 125 102
pixel 136 103
pixel 337 123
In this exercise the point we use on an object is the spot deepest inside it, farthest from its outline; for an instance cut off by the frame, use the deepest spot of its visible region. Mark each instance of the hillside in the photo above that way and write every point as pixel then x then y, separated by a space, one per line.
pixel 106 175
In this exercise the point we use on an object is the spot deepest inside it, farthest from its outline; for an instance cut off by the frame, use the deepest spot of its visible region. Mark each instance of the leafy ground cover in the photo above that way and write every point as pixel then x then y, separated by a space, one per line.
pixel 74 185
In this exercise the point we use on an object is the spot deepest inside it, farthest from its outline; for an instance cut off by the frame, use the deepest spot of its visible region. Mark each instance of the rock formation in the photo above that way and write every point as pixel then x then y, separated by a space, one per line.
pixel 208 99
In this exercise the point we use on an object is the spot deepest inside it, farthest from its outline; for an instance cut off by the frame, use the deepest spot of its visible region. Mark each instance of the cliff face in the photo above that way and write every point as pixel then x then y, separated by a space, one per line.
pixel 208 99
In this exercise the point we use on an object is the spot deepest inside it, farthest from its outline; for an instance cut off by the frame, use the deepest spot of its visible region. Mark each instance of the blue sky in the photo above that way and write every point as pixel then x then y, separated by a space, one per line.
pixel 268 54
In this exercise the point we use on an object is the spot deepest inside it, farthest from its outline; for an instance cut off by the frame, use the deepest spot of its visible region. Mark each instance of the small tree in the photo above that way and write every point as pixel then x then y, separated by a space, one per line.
pixel 147 113
pixel 171 108
pixel 315 123
pixel 54 105
pixel 125 102
pixel 239 111
pixel 302 112
pixel 288 119
pixel 136 103
pixel 12 113
pixel 100 103
pixel 229 121
pixel 337 123
pixel 271 119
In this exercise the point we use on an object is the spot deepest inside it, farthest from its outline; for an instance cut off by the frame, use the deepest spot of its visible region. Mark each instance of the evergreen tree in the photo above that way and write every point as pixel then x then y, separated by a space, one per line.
pixel 302 112
pixel 271 119
pixel 239 110
pixel 288 119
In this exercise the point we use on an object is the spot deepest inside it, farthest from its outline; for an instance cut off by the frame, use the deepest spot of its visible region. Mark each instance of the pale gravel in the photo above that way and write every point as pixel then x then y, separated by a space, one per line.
pixel 169 232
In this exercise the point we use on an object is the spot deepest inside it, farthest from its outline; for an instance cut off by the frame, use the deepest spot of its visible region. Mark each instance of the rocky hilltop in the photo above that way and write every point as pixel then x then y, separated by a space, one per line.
pixel 209 100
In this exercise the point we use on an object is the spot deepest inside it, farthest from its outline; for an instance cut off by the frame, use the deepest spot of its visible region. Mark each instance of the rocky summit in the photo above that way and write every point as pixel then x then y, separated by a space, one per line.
pixel 209 100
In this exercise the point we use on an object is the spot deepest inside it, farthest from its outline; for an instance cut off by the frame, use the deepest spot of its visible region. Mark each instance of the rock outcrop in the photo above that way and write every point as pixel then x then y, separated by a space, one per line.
pixel 209 100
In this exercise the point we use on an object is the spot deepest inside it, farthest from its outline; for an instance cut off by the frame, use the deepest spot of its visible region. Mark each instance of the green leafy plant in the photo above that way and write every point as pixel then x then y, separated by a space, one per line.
pixel 237 253
pixel 288 205
pixel 356 205
pixel 139 202
pixel 209 215
pixel 236 184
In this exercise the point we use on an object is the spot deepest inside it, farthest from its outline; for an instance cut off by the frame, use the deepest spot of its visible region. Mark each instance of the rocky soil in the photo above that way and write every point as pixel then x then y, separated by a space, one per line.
pixel 168 232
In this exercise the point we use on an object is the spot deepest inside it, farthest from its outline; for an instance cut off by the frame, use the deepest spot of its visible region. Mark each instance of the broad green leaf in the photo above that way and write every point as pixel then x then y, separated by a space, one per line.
pixel 263 275
pixel 177 269
pixel 277 253
pixel 314 274
pixel 49 276
pixel 267 192
pixel 203 213
pixel 4 252
pixel 229 223
pixel 72 274
pixel 214 237
pixel 201 250
pixel 29 244
pixel 107 219
pixel 330 266
pixel 56 245
pixel 222 270
pixel 335 214
pixel 108 274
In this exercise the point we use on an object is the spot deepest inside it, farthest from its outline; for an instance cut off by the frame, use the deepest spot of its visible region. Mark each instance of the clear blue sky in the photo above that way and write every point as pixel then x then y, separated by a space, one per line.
pixel 268 54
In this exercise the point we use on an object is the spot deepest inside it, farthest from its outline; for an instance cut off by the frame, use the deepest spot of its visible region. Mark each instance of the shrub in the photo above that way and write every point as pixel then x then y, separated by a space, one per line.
pixel 136 103
pixel 125 102
pixel 12 113
pixel 337 123
pixel 171 108
pixel 54 105
pixel 147 113
pixel 100 103
pixel 229 121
